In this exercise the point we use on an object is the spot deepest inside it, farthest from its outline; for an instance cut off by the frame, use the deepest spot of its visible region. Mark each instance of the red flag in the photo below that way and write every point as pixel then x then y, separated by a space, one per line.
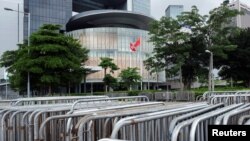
pixel 136 44
pixel 132 47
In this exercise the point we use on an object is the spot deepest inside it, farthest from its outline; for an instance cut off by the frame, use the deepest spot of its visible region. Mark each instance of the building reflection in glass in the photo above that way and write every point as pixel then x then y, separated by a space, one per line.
pixel 114 42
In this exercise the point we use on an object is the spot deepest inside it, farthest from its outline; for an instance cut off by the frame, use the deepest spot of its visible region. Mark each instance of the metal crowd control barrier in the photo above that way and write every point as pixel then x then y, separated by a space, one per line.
pixel 243 119
pixel 207 95
pixel 83 123
pixel 151 127
pixel 70 131
pixel 198 130
pixel 51 100
pixel 189 126
pixel 120 118
pixel 5 102
pixel 180 119
pixel 229 99
pixel 22 123
pixel 247 123
pixel 109 101
pixel 17 122
pixel 233 117
pixel 36 106
pixel 195 129
pixel 183 130
pixel 110 140
pixel 111 115
pixel 185 96
pixel 164 96
pixel 85 113
pixel 219 119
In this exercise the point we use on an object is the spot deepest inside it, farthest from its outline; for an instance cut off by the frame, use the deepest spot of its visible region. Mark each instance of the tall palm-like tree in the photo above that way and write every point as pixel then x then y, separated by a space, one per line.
pixel 106 63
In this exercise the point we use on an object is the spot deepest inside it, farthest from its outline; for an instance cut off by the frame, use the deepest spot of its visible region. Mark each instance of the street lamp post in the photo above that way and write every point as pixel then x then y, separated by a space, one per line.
pixel 25 13
pixel 210 74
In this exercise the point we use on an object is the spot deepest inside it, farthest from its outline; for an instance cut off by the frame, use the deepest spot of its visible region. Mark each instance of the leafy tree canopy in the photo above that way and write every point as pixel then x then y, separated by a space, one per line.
pixel 237 65
pixel 129 77
pixel 106 63
pixel 109 80
pixel 52 59
pixel 180 43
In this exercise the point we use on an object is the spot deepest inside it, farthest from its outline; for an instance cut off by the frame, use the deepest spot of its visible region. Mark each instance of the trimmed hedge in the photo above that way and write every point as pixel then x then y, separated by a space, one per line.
pixel 197 91
pixel 200 91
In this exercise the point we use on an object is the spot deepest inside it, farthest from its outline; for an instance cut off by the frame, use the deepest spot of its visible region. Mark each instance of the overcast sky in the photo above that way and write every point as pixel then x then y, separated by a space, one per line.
pixel 158 6
pixel 8 20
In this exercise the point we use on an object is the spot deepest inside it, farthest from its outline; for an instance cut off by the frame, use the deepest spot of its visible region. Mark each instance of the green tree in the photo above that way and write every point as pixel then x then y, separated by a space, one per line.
pixel 106 63
pixel 110 81
pixel 171 46
pixel 129 77
pixel 208 32
pixel 193 63
pixel 8 58
pixel 181 43
pixel 217 31
pixel 153 65
pixel 237 64
pixel 52 59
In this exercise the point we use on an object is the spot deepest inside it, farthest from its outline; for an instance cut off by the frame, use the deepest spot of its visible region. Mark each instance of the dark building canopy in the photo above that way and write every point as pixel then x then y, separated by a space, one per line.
pixel 86 5
pixel 108 18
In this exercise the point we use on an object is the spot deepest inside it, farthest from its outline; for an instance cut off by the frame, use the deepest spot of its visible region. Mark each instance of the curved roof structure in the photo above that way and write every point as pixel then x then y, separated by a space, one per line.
pixel 86 5
pixel 108 18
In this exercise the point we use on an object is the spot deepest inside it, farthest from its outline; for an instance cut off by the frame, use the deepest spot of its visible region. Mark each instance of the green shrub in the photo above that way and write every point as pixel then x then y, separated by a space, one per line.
pixel 200 91
pixel 133 93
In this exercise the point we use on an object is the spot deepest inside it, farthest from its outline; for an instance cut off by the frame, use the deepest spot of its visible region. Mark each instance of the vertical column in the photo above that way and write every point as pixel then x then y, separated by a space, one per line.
pixel 130 5
pixel 238 21
pixel 18 23
pixel 141 61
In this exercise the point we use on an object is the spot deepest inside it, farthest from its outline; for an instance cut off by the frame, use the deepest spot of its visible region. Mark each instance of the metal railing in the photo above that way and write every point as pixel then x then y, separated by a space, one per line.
pixel 22 123
pixel 120 118
pixel 51 100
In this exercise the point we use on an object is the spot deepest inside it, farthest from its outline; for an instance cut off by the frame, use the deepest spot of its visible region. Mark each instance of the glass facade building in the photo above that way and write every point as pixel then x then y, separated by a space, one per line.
pixel 173 11
pixel 141 6
pixel 109 40
pixel 87 5
pixel 242 21
pixel 109 33
pixel 60 11
pixel 113 42
pixel 46 12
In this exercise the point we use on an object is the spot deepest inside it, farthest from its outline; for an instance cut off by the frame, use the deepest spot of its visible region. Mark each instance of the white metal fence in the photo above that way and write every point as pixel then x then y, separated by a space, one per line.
pixel 120 118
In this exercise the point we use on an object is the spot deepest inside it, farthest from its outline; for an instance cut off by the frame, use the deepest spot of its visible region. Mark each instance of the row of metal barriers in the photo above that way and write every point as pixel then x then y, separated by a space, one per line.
pixel 103 118
pixel 226 97
pixel 188 124
pixel 56 118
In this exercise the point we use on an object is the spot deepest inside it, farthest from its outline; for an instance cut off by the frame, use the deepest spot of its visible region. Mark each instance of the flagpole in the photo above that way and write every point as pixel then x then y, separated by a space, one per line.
pixel 130 56
pixel 133 47
pixel 140 55
pixel 141 71
pixel 148 82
